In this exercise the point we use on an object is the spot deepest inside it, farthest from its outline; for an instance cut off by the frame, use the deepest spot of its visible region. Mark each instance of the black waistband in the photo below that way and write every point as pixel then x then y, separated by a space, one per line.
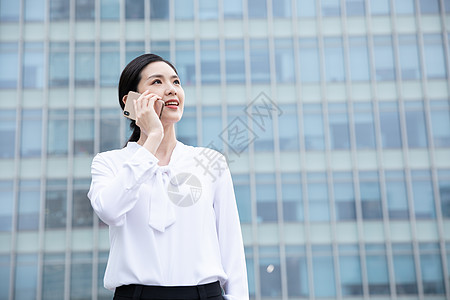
pixel 170 292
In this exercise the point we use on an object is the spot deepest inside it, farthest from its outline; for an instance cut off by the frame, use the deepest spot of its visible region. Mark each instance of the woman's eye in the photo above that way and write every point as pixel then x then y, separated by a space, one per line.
pixel 176 81
pixel 156 81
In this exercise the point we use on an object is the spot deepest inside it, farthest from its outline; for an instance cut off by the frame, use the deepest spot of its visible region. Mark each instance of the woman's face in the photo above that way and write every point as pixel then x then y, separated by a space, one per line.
pixel 159 78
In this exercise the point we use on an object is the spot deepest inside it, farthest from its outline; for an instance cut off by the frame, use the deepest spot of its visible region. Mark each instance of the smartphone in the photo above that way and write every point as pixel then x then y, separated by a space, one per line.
pixel 129 111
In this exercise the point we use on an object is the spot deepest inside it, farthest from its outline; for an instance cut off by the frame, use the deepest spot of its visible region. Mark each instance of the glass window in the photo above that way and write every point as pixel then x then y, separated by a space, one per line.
pixel 297 271
pixel 58 64
pixel 334 60
pixel 9 10
pixel 58 132
pixel 210 61
pixel 390 125
pixel 377 270
pixel 331 8
pixel 344 196
pixel 282 9
pixel 404 269
pixel 384 58
pixel 6 205
pixel 364 125
pixel 409 57
pixel 313 129
pixel 59 10
pixel 84 10
pixel 447 9
pixel 159 9
pixel 33 65
pixel 415 124
pixel 423 197
pixel 162 48
pixel 358 59
pixel 250 262
pixel 212 126
pixel 187 127
pixel 339 126
pixel 84 132
pixel 53 276
pixel 185 62
pixel 264 142
pixel 266 198
pixel 323 274
pixel 82 214
pixel 134 9
pixel 396 195
pixel 429 6
pixel 404 7
pixel 355 7
pixel 444 193
pixel 284 61
pixel 440 123
pixel 434 56
pixel 9 61
pixel 109 63
pixel 235 61
pixel 350 272
pixel 379 7
pixel 369 189
pixel 257 9
pixel 309 60
pixel 110 9
pixel 133 50
pixel 207 9
pixel 259 61
pixel 84 64
pixel 319 207
pixel 288 128
pixel 28 206
pixel 270 272
pixel 34 10
pixel 292 197
pixel 81 276
pixel 243 197
pixel 26 276
pixel 184 9
pixel 31 137
pixel 56 204
pixel 306 8
pixel 7 133
pixel 232 9
pixel 109 129
pixel 431 269
pixel 5 271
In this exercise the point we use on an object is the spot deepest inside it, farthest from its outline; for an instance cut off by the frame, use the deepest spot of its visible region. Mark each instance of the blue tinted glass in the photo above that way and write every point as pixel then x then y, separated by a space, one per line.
pixel 243 200
pixel 415 125
pixel 350 272
pixel 384 58
pixel 270 276
pixel 292 200
pixel 331 8
pixel 187 127
pixel 134 9
pixel 259 61
pixel 58 64
pixel 306 8
pixel 404 7
pixel 33 65
pixel 364 126
pixel 429 6
pixel 390 126
pixel 52 277
pixel 297 274
pixel 207 9
pixel 338 127
pixel 288 128
pixel 355 7
pixel 212 125
pixel 447 6
pixel 405 274
pixel 84 10
pixel 109 9
pixel 235 61
pixel 434 56
pixel 232 9
pixel 423 196
pixel 396 195
pixel 431 270
pixel 58 132
pixel 379 7
pixel 334 60
pixel 9 61
pixel 210 61
pixel 184 9
pixel 309 60
pixel 344 201
pixel 84 132
pixel 377 275
pixel 282 9
pixel 84 64
pixel 323 276
pixel 31 137
pixel 6 206
pixel 7 133
pixel 59 9
pixel 81 276
pixel 369 189
pixel 444 193
pixel 9 10
pixel 319 208
pixel 313 129
pixel 56 204
pixel 159 9
pixel 34 10
pixel 109 129
pixel 5 265
pixel 266 201
pixel 284 60
pixel 409 57
pixel 257 9
pixel 109 64
pixel 133 50
pixel 440 123
pixel 161 48
pixel 29 204
pixel 185 62
pixel 358 59
pixel 26 276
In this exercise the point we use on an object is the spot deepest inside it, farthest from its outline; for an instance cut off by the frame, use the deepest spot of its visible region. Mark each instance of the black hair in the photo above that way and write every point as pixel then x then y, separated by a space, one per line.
pixel 129 80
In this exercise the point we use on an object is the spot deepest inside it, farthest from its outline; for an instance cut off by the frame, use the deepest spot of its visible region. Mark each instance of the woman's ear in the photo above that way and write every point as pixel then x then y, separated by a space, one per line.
pixel 124 99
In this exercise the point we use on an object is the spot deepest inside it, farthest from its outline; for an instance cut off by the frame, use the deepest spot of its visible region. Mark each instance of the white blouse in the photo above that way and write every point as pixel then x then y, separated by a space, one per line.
pixel 169 225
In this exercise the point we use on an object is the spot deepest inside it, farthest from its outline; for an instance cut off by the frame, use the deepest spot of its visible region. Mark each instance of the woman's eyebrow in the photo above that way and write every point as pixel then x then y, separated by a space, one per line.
pixel 160 76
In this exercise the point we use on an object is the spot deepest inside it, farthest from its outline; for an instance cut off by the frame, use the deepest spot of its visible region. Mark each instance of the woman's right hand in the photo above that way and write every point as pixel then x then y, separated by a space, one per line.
pixel 147 118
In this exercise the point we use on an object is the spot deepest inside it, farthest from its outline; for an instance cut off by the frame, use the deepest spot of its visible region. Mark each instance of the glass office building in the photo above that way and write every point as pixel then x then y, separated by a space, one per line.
pixel 333 115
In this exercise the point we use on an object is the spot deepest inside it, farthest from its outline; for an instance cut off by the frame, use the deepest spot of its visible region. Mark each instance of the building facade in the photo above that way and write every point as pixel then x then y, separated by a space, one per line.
pixel 333 115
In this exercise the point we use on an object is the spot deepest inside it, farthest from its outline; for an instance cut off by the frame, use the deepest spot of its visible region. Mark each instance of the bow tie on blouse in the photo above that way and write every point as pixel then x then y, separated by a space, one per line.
pixel 162 213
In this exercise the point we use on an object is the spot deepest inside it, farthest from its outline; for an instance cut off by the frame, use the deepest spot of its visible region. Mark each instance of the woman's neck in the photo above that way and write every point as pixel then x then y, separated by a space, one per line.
pixel 165 148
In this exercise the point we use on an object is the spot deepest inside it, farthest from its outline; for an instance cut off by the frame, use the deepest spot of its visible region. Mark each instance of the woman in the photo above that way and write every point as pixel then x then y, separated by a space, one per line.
pixel 174 230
